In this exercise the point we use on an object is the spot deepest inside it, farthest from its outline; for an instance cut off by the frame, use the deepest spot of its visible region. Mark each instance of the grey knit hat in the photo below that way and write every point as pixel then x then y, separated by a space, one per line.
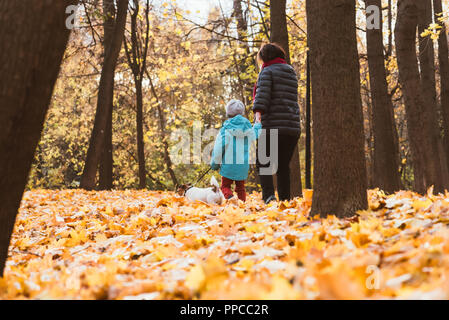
pixel 235 107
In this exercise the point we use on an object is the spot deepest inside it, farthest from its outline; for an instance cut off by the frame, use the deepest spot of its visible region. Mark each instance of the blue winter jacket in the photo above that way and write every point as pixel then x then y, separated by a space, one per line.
pixel 232 147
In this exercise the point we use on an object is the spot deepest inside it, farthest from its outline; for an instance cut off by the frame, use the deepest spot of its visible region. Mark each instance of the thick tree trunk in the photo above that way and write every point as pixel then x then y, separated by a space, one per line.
pixel 279 31
pixel 428 84
pixel 338 139
pixel 104 104
pixel 443 59
pixel 106 163
pixel 386 153
pixel 34 36
pixel 279 35
pixel 426 162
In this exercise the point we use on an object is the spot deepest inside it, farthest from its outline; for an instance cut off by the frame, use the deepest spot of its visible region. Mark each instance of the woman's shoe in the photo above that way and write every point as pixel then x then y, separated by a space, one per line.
pixel 270 198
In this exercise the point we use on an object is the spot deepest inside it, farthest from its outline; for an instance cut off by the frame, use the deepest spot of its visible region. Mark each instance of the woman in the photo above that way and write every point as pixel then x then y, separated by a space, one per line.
pixel 276 104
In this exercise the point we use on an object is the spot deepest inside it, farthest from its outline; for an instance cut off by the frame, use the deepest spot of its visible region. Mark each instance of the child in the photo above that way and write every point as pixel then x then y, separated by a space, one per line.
pixel 231 149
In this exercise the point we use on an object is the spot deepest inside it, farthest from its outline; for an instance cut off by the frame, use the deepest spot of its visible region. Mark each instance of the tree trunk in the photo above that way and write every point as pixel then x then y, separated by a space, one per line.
pixel 104 103
pixel 106 163
pixel 390 29
pixel 443 60
pixel 279 35
pixel 34 37
pixel 140 142
pixel 338 137
pixel 428 84
pixel 386 153
pixel 136 56
pixel 426 164
pixel 308 127
pixel 279 31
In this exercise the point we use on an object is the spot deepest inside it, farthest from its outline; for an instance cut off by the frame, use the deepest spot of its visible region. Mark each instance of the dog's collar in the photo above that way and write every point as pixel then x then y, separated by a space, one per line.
pixel 187 190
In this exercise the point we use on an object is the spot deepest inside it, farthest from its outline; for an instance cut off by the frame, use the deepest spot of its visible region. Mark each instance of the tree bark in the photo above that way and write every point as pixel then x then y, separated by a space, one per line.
pixel 136 56
pixel 443 61
pixel 428 84
pixel 426 163
pixel 386 153
pixel 104 103
pixel 338 137
pixel 279 35
pixel 308 159
pixel 279 31
pixel 34 37
pixel 140 142
pixel 106 163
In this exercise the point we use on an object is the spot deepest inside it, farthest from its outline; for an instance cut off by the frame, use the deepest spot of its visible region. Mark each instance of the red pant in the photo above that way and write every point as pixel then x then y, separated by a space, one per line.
pixel 226 185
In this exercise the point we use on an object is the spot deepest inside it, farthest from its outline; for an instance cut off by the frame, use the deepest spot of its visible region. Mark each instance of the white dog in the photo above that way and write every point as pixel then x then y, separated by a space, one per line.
pixel 212 195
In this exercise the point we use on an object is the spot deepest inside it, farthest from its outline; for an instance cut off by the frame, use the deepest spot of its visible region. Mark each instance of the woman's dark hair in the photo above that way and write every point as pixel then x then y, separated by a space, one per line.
pixel 270 51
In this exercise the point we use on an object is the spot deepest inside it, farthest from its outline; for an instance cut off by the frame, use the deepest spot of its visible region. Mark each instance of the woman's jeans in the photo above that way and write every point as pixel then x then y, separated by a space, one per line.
pixel 286 147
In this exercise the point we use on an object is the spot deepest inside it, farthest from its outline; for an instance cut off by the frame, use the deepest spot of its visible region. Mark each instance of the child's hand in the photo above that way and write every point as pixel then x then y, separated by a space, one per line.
pixel 258 117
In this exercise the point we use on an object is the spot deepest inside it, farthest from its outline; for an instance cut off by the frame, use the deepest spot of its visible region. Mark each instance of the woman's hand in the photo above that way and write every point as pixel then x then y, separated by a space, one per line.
pixel 258 117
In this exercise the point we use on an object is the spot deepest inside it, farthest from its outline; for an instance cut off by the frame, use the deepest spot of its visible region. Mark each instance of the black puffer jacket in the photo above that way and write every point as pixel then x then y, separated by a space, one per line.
pixel 277 99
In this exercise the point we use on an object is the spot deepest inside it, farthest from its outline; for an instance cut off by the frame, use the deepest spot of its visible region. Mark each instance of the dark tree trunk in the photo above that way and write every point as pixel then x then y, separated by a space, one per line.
pixel 139 127
pixel 34 36
pixel 279 31
pixel 386 153
pixel 338 138
pixel 308 127
pixel 443 60
pixel 136 56
pixel 106 163
pixel 279 35
pixel 426 163
pixel 104 104
pixel 428 84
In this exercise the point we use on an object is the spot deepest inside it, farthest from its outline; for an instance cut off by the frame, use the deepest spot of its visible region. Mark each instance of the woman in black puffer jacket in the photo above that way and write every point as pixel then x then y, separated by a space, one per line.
pixel 276 103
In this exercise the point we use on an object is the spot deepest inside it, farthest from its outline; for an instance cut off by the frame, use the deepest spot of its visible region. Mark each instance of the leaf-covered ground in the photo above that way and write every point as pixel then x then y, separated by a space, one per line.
pixel 152 245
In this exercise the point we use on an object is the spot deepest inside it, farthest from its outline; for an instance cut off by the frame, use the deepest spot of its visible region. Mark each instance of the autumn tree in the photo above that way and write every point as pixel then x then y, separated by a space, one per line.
pixel 105 99
pixel 34 37
pixel 443 62
pixel 279 34
pixel 106 163
pixel 386 154
pixel 428 85
pixel 136 53
pixel 339 160
pixel 420 121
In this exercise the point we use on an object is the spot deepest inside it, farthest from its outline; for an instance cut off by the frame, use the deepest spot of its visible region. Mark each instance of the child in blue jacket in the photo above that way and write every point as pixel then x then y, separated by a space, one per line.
pixel 231 149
